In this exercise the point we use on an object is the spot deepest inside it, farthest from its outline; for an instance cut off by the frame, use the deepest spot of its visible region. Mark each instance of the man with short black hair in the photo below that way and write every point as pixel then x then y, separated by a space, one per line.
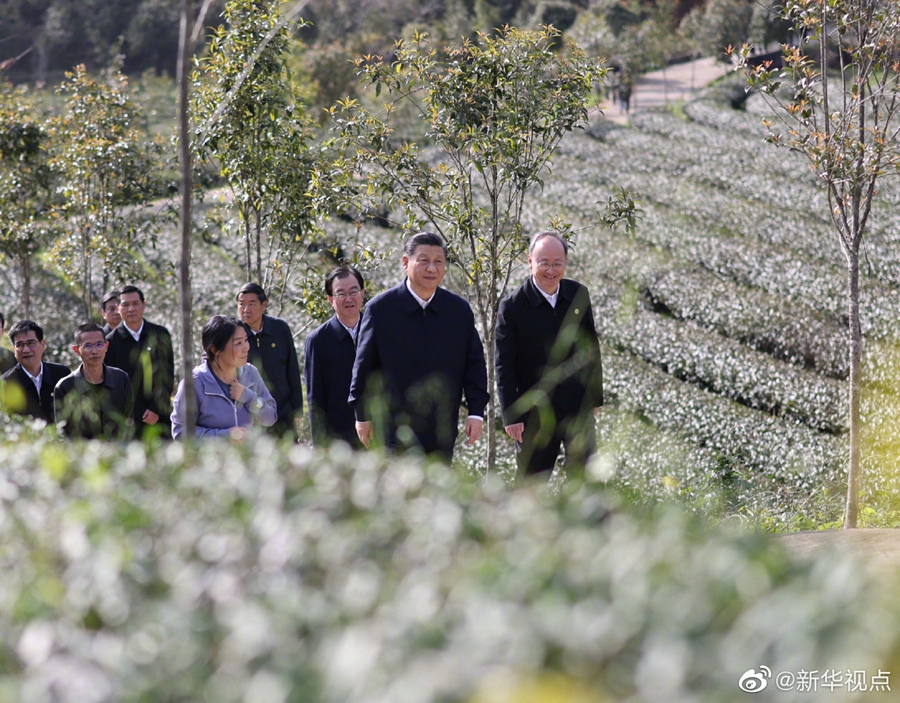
pixel 7 358
pixel 96 400
pixel 143 350
pixel 549 374
pixel 418 342
pixel 109 311
pixel 330 351
pixel 273 353
pixel 28 386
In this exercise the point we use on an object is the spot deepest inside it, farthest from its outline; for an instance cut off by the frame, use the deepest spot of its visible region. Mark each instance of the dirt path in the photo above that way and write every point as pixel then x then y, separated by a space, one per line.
pixel 878 547
pixel 672 84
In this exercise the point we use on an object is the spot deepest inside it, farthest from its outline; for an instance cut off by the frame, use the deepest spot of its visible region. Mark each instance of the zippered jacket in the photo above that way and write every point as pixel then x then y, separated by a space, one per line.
pixel 217 413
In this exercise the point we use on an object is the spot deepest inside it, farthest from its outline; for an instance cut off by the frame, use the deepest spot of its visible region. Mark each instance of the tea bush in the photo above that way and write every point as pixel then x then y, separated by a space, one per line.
pixel 274 573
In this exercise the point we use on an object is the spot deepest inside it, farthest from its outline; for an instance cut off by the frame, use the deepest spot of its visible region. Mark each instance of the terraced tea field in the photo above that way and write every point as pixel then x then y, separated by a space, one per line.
pixel 723 318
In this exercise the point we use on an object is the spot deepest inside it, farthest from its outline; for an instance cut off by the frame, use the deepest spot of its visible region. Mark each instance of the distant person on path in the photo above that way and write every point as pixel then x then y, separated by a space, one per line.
pixel 28 386
pixel 143 350
pixel 109 311
pixel 7 358
pixel 95 401
pixel 625 94
pixel 612 88
pixel 330 352
pixel 418 352
pixel 273 353
pixel 231 394
pixel 549 373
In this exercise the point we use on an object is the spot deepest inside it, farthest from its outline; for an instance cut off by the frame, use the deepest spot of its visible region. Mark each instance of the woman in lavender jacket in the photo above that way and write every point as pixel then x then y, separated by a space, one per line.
pixel 231 394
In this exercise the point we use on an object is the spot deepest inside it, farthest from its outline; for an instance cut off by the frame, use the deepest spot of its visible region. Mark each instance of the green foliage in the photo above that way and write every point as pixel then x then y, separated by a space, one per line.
pixel 276 573
pixel 248 118
pixel 847 130
pixel 27 182
pixel 107 171
pixel 496 110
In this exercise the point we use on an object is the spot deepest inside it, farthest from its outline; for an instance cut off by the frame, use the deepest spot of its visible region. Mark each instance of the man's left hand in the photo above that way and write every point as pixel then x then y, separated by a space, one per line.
pixel 473 429
pixel 150 418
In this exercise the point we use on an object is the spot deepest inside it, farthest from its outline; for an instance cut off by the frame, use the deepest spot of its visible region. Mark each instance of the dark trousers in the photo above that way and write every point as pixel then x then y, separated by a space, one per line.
pixel 541 440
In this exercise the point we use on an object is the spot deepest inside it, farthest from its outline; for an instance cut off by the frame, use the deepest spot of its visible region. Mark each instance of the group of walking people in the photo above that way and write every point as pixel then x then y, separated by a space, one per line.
pixel 393 372
pixel 397 372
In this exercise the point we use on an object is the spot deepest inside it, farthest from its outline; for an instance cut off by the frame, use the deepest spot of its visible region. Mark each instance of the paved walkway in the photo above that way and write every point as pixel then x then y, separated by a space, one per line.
pixel 671 84
pixel 878 547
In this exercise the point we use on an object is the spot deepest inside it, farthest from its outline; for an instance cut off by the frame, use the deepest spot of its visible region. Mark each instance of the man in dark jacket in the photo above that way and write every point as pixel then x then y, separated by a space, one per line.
pixel 330 351
pixel 28 386
pixel 273 353
pixel 418 343
pixel 95 401
pixel 109 311
pixel 547 357
pixel 7 358
pixel 143 350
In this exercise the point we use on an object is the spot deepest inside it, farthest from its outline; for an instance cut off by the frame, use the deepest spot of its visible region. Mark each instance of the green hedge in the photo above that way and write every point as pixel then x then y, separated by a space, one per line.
pixel 264 573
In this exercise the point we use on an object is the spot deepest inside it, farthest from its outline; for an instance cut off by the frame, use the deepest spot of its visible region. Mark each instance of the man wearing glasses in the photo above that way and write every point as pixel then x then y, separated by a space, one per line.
pixel 547 357
pixel 273 353
pixel 330 351
pixel 95 401
pixel 28 386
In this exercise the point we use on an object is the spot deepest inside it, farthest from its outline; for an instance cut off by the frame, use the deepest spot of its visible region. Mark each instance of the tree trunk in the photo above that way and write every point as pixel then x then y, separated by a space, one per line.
pixel 852 510
pixel 86 282
pixel 25 262
pixel 259 276
pixel 491 410
pixel 187 342
pixel 249 250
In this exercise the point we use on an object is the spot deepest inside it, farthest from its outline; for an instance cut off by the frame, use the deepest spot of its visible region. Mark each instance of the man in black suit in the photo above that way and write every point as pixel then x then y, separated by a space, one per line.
pixel 273 353
pixel 330 351
pixel 28 386
pixel 418 352
pixel 547 357
pixel 7 358
pixel 143 350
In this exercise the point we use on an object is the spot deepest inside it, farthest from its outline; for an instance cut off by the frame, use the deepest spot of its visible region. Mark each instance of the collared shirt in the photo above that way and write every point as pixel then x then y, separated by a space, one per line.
pixel 259 331
pixel 353 331
pixel 136 335
pixel 37 380
pixel 420 301
pixel 550 298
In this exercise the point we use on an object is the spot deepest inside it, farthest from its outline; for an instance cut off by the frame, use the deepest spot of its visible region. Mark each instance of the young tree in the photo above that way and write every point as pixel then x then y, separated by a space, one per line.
pixel 496 110
pixel 847 125
pixel 27 183
pixel 108 171
pixel 249 119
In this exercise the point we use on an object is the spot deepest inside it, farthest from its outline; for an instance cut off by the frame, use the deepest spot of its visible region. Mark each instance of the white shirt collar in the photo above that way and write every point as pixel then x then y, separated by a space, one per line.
pixel 420 301
pixel 37 380
pixel 352 330
pixel 550 298
pixel 261 327
pixel 136 335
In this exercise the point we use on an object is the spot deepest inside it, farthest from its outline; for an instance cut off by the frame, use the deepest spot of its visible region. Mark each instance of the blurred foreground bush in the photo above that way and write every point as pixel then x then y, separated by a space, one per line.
pixel 268 574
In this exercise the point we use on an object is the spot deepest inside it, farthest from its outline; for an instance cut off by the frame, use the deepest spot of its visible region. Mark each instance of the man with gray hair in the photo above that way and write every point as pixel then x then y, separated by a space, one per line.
pixel 547 357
